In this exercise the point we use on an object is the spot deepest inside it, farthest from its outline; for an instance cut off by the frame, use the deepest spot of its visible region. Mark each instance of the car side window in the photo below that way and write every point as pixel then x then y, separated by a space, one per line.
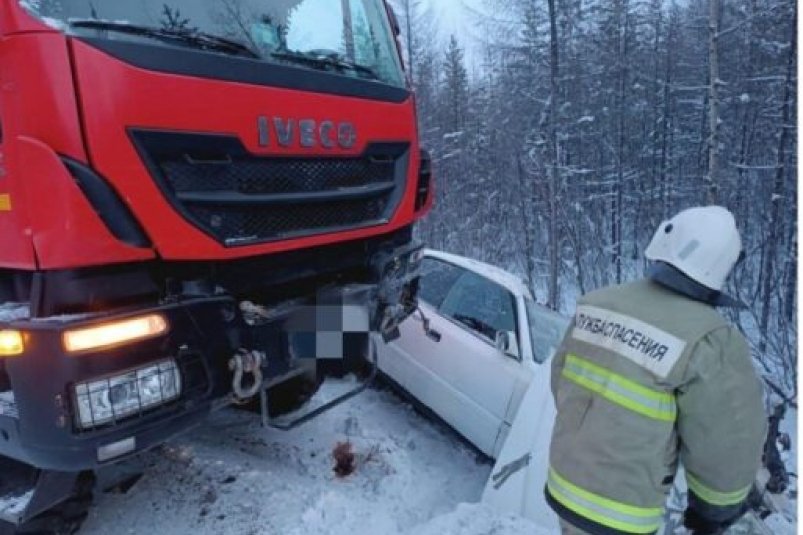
pixel 437 278
pixel 481 305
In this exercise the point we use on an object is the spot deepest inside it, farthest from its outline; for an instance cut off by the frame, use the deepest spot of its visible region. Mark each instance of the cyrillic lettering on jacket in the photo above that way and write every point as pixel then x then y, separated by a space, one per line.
pixel 646 345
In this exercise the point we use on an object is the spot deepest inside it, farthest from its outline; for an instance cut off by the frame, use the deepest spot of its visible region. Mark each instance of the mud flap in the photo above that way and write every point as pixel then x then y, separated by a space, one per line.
pixel 26 491
pixel 519 476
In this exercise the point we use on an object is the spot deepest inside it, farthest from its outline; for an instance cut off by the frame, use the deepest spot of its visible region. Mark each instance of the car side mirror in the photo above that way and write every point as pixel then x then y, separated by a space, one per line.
pixel 506 343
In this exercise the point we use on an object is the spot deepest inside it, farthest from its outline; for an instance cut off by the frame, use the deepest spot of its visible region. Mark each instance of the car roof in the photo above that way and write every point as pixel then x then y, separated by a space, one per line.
pixel 496 274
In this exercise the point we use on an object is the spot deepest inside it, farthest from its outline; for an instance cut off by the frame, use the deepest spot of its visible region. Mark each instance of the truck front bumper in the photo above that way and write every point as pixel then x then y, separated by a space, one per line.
pixel 56 413
pixel 40 422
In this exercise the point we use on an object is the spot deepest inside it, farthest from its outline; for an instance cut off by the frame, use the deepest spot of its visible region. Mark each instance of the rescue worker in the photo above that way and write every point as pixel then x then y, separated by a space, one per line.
pixel 649 375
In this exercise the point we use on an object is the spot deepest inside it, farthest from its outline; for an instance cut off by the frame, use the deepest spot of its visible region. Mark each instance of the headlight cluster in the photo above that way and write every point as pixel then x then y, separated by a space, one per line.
pixel 111 398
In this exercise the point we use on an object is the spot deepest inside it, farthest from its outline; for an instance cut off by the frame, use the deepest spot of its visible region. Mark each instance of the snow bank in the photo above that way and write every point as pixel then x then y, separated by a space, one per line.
pixel 412 477
pixel 335 514
pixel 230 476
pixel 478 519
pixel 778 525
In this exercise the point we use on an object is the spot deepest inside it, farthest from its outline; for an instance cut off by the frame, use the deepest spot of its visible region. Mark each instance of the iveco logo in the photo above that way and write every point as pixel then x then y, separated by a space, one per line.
pixel 305 132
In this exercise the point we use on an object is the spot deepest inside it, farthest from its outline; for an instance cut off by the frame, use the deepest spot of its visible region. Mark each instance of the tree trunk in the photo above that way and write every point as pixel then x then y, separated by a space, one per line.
pixel 554 182
pixel 791 280
pixel 712 178
pixel 526 200
pixel 619 184
pixel 667 122
pixel 777 199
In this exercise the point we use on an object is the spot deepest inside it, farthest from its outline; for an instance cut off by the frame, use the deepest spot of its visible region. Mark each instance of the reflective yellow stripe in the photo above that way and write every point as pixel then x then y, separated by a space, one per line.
pixel 5 202
pixel 601 510
pixel 714 497
pixel 620 390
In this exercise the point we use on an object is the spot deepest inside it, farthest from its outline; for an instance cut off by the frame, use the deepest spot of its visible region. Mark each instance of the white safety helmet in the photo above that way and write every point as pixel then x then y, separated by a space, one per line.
pixel 702 242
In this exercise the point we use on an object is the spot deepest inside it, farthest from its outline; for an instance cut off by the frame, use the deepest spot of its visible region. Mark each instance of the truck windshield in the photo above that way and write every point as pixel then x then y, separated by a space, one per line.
pixel 347 37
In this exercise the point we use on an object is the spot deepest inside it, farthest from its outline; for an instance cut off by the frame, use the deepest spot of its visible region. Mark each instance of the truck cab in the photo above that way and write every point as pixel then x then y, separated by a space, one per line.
pixel 197 199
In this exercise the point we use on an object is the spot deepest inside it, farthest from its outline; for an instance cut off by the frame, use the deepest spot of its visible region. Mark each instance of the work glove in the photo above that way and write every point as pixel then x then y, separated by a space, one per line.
pixel 699 525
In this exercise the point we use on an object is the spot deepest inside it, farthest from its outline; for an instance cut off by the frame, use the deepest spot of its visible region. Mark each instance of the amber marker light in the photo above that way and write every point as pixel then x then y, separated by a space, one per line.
pixel 11 343
pixel 114 333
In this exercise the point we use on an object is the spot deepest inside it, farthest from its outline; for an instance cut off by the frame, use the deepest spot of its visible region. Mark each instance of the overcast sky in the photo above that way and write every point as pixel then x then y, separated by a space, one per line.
pixel 458 17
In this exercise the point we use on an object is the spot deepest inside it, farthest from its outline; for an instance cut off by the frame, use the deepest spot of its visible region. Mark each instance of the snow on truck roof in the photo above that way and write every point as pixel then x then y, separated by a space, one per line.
pixel 496 274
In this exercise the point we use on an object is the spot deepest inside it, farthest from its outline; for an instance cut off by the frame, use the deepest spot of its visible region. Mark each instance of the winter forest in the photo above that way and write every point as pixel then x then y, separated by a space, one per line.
pixel 585 123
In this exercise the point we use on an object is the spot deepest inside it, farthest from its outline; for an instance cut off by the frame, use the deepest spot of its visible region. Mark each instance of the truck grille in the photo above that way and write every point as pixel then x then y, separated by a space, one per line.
pixel 239 198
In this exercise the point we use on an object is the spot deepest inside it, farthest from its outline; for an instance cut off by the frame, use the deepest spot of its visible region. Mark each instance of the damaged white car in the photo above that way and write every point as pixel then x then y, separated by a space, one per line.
pixel 471 351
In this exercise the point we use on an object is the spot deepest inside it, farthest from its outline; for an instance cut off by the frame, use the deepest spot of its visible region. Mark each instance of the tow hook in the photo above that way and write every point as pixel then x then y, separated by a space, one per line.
pixel 246 362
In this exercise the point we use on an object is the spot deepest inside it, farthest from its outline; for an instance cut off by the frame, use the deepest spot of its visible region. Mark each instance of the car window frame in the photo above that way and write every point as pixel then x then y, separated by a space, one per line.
pixel 451 264
pixel 468 329
pixel 529 301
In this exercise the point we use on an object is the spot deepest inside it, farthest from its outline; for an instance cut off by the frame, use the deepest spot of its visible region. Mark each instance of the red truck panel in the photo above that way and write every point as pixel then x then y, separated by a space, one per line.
pixel 65 228
pixel 116 96
pixel 15 19
pixel 48 224
pixel 61 97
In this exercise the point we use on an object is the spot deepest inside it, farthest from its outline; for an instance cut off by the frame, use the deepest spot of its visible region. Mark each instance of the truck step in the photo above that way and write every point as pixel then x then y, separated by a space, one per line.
pixel 26 492
pixel 17 487
pixel 332 392
pixel 14 504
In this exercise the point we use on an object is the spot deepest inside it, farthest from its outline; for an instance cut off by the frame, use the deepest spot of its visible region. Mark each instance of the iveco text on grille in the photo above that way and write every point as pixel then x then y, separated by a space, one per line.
pixel 307 133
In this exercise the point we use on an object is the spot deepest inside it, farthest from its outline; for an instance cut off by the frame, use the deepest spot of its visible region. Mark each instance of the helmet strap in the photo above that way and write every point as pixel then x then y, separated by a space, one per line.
pixel 672 278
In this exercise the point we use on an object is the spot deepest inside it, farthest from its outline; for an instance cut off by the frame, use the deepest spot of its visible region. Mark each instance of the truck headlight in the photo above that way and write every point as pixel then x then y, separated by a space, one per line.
pixel 114 333
pixel 111 398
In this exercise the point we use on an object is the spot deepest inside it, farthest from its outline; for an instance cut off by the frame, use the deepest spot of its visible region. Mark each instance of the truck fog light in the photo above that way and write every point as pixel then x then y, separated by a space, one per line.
pixel 11 343
pixel 115 397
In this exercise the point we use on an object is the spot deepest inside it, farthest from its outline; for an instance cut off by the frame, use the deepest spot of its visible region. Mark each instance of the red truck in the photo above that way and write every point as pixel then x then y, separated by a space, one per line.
pixel 198 198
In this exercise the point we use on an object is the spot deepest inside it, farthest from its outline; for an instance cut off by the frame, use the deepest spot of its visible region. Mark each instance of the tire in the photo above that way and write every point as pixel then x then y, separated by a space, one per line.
pixel 65 518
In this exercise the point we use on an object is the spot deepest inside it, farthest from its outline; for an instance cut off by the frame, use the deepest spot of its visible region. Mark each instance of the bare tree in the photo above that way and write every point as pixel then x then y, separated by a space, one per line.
pixel 554 156
pixel 712 177
pixel 778 197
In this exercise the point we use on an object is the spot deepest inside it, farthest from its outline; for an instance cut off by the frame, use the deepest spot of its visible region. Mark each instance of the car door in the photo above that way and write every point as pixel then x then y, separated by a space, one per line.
pixel 455 369
pixel 542 331
pixel 403 360
pixel 482 377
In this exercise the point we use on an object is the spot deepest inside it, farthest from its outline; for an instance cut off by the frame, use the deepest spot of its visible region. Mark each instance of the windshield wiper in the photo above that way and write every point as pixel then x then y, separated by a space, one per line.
pixel 326 61
pixel 192 37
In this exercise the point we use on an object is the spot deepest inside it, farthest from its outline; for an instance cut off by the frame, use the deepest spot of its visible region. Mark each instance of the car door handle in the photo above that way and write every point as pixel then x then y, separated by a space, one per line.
pixel 434 335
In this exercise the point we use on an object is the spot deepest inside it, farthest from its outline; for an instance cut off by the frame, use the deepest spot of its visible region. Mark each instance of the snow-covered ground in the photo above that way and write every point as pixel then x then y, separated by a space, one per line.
pixel 230 476
pixel 412 477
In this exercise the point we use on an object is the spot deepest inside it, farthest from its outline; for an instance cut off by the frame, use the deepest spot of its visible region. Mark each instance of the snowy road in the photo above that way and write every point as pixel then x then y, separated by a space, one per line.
pixel 232 477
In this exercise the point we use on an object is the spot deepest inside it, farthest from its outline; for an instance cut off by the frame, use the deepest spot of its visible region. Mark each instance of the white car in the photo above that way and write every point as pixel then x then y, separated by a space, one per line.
pixel 473 349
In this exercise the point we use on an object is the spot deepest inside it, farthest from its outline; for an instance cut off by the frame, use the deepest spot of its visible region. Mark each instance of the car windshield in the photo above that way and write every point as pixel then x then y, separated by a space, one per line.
pixel 347 37
pixel 547 329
